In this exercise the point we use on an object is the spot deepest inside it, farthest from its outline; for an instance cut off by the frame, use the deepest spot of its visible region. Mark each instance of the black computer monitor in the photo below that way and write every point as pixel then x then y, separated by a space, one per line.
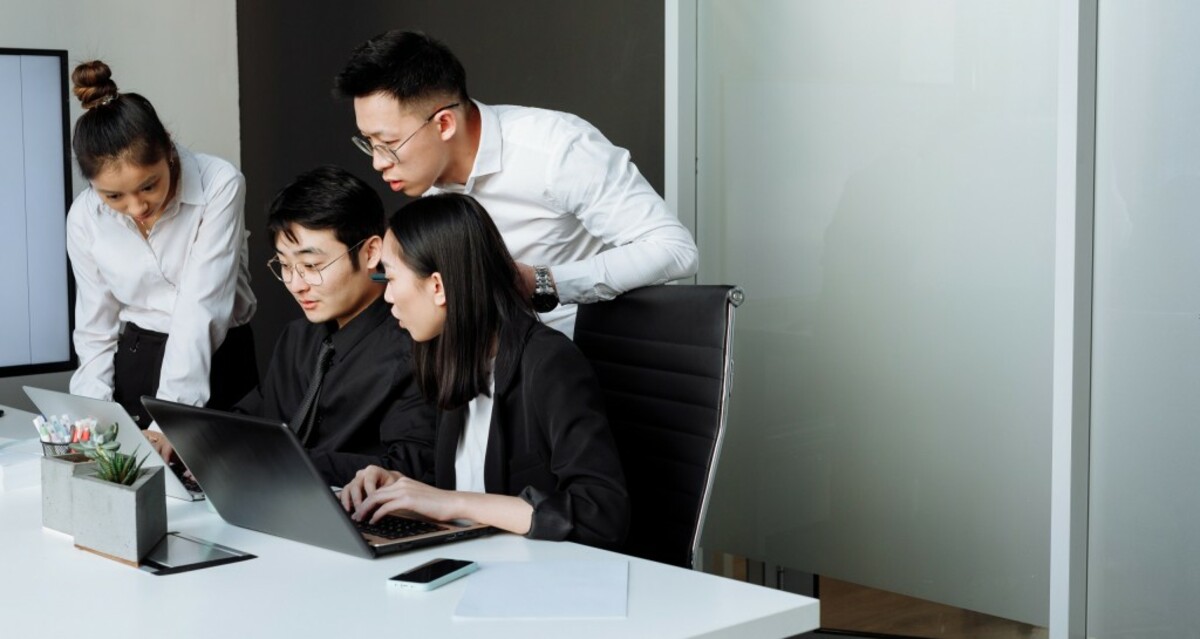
pixel 36 290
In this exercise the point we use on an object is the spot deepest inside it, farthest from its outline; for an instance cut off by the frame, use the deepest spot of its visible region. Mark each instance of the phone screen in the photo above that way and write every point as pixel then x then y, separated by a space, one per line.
pixel 431 571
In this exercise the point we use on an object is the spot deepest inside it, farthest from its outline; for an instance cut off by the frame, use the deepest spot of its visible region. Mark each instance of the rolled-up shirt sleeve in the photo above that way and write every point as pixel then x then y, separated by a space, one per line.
pixel 598 183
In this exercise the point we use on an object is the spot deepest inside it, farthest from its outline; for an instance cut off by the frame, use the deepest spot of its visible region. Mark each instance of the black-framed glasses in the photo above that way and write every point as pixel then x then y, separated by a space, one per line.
pixel 365 145
pixel 307 272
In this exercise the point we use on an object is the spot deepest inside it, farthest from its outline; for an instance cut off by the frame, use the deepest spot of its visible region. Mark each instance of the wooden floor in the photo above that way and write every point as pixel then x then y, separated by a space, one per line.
pixel 861 611
pixel 846 606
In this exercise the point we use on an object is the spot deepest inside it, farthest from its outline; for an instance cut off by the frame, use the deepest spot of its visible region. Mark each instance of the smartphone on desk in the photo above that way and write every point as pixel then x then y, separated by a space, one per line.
pixel 432 574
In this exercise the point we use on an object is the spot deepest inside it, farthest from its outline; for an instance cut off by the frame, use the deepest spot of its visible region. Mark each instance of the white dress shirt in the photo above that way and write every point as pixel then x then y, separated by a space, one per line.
pixel 189 278
pixel 471 454
pixel 563 196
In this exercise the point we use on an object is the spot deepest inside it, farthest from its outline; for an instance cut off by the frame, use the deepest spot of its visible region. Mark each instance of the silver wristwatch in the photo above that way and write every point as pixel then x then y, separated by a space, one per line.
pixel 545 294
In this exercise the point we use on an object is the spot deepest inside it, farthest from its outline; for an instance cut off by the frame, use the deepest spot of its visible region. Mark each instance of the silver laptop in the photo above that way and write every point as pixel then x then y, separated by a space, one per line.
pixel 132 440
pixel 257 475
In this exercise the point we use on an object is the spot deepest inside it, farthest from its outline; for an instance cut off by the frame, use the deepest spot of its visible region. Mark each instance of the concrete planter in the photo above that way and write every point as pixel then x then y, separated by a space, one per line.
pixel 56 488
pixel 120 522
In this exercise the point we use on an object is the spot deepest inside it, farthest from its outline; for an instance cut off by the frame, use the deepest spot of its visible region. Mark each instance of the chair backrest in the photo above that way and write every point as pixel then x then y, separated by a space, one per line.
pixel 663 357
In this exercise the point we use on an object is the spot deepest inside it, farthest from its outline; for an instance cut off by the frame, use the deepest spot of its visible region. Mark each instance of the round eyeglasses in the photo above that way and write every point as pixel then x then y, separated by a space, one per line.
pixel 310 273
pixel 392 153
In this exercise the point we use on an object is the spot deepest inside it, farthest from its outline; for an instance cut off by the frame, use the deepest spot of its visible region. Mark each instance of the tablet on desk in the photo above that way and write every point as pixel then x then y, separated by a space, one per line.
pixel 178 552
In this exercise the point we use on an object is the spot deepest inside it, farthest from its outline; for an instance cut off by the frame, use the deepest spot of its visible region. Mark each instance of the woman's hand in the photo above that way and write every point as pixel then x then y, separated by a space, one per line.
pixel 377 492
pixel 404 493
pixel 366 482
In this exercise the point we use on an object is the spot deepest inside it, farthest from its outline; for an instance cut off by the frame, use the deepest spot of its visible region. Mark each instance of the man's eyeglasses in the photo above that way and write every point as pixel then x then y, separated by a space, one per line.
pixel 365 145
pixel 307 272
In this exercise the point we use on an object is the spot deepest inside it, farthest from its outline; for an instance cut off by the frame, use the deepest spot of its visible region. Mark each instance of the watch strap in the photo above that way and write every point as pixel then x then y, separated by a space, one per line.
pixel 543 281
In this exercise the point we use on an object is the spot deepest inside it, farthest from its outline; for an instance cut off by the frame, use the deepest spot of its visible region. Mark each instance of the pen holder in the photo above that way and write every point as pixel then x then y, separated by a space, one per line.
pixel 51 449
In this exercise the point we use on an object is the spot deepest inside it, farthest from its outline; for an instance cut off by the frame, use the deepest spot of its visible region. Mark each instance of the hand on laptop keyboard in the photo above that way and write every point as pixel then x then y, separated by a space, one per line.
pixel 393 527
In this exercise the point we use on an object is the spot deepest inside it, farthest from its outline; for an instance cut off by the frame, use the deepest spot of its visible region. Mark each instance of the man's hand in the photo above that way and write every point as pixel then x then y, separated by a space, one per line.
pixel 161 445
pixel 525 280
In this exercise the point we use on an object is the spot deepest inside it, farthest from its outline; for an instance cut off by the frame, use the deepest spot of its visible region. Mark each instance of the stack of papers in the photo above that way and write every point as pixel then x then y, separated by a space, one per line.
pixel 19 463
pixel 550 589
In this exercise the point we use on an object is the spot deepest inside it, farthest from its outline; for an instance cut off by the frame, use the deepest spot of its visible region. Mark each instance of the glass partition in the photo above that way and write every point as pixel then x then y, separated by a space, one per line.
pixel 1143 559
pixel 880 178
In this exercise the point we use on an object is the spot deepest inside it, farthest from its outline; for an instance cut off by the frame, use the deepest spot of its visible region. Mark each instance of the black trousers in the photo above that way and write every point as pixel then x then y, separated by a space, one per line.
pixel 137 366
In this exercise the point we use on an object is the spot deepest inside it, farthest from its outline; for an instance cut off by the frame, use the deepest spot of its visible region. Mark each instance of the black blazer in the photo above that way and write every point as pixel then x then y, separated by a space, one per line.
pixel 549 441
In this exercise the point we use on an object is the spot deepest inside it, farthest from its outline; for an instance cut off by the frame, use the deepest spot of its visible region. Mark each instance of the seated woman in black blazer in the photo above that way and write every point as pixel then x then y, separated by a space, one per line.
pixel 526 449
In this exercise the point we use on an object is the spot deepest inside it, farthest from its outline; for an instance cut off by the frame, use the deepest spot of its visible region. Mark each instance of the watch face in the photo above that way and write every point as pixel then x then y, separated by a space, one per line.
pixel 544 302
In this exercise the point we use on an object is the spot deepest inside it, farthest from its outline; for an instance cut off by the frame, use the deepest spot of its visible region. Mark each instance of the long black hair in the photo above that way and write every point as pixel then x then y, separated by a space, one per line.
pixel 115 125
pixel 453 235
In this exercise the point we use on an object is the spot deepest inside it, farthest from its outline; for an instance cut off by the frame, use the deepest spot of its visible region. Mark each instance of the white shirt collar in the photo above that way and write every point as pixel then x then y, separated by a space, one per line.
pixel 488 157
pixel 191 187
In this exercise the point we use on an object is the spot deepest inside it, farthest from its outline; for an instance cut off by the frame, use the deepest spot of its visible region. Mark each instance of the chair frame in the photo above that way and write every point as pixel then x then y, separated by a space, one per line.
pixel 597 327
pixel 733 299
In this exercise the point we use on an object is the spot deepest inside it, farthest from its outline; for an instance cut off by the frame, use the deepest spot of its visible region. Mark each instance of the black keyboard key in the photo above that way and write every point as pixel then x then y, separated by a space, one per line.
pixel 391 527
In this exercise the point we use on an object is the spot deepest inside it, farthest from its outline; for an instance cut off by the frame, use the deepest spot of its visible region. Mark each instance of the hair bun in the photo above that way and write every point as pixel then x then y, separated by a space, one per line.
pixel 93 84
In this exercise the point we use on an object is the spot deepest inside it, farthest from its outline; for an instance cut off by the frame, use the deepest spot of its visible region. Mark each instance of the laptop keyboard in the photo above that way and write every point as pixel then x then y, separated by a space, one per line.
pixel 190 484
pixel 392 527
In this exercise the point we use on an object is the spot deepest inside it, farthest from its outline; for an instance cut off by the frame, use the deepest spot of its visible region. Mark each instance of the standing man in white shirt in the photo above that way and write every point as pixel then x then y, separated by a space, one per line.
pixel 578 217
pixel 158 248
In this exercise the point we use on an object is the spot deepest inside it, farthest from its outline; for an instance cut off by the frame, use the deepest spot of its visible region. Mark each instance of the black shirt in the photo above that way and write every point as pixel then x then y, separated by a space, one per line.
pixel 370 410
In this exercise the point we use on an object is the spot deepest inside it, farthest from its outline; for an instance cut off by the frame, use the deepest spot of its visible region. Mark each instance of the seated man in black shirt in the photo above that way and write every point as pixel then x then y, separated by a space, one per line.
pixel 342 378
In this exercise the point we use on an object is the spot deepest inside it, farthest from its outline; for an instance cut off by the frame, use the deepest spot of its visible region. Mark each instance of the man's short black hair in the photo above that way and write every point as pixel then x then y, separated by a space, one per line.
pixel 408 66
pixel 327 197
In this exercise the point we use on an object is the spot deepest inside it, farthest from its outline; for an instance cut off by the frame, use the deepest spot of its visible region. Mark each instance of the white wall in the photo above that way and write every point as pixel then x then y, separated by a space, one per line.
pixel 180 54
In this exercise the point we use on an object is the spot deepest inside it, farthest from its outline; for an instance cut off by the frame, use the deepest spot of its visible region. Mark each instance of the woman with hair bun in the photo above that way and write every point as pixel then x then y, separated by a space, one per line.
pixel 159 251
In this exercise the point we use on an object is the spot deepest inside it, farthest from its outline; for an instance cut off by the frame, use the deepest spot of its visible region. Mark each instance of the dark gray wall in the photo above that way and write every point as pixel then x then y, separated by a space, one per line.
pixel 602 60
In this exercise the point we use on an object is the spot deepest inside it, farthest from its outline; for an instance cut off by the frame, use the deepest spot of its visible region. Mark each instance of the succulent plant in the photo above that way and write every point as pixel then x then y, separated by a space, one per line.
pixel 111 465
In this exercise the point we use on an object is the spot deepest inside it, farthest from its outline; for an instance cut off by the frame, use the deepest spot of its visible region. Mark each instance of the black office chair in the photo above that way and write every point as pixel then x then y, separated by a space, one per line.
pixel 663 355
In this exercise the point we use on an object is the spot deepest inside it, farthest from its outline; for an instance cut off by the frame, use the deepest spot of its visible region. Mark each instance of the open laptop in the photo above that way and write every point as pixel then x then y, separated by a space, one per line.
pixel 132 440
pixel 258 476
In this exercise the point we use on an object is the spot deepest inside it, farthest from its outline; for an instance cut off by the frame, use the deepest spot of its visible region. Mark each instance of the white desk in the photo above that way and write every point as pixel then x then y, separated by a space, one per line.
pixel 50 589
pixel 16 424
pixel 18 454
